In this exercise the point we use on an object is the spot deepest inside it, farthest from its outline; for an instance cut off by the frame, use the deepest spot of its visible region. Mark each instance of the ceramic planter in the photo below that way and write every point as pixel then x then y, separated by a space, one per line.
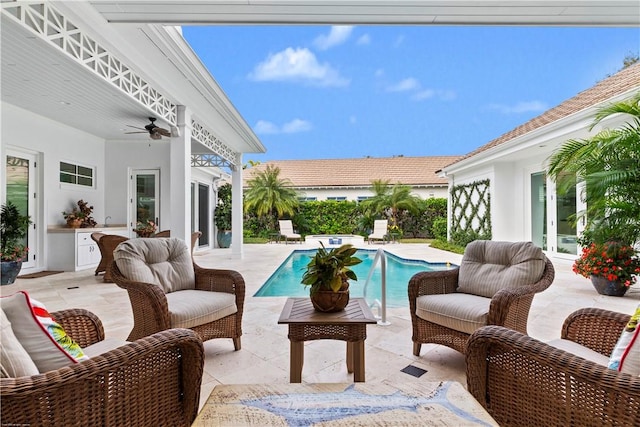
pixel 10 270
pixel 607 287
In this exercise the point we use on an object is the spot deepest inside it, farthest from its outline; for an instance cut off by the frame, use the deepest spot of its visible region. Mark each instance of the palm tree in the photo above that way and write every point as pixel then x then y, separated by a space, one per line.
pixel 394 198
pixel 609 164
pixel 268 194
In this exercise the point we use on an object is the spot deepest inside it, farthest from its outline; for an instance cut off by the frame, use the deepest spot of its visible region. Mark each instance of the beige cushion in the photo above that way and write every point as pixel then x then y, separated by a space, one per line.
pixel 14 359
pixel 457 311
pixel 47 354
pixel 193 308
pixel 103 346
pixel 579 350
pixel 163 262
pixel 489 266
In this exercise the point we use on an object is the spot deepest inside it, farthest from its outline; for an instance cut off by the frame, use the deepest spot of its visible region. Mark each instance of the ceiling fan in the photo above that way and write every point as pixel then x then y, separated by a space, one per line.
pixel 154 131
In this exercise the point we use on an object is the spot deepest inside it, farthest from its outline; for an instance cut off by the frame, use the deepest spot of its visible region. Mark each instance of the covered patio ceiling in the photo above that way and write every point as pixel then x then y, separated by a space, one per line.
pixel 423 12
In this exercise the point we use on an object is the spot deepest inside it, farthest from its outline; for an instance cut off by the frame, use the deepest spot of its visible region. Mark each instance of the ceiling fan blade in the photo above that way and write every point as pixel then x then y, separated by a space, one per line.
pixel 162 132
pixel 155 135
pixel 127 133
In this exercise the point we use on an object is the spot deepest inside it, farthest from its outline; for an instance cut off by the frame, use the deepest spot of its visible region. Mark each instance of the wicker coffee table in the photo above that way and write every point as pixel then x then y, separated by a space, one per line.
pixel 307 324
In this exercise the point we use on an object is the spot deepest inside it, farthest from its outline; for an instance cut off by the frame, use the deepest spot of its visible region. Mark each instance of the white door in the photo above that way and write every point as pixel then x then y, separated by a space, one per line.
pixel 20 189
pixel 145 200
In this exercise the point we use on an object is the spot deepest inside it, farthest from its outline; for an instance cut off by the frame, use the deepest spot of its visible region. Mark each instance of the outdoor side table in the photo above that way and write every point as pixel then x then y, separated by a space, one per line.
pixel 274 237
pixel 307 324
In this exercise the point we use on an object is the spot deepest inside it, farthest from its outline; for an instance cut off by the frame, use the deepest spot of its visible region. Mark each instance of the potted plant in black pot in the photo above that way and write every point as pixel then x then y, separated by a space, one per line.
pixel 13 228
pixel 222 216
pixel 328 275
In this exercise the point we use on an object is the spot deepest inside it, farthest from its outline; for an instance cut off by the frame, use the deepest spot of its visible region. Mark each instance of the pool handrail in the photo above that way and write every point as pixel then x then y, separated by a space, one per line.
pixel 382 305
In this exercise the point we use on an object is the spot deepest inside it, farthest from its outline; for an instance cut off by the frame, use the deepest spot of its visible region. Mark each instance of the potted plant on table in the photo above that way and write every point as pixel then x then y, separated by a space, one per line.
pixel 145 228
pixel 80 216
pixel 222 216
pixel 13 228
pixel 328 275
pixel 612 266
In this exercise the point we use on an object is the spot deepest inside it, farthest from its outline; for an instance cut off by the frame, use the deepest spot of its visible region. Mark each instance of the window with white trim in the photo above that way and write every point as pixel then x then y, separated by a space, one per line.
pixel 77 174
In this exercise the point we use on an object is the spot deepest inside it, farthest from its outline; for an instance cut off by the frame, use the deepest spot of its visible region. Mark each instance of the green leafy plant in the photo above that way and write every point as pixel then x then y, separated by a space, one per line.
pixel 145 228
pixel 81 212
pixel 329 269
pixel 13 228
pixel 613 260
pixel 222 214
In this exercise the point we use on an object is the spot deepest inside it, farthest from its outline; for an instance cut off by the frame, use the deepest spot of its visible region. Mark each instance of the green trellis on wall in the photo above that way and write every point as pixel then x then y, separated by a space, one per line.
pixel 470 212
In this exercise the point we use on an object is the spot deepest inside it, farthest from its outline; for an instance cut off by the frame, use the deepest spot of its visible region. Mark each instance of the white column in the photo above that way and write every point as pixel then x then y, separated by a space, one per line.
pixel 237 250
pixel 180 170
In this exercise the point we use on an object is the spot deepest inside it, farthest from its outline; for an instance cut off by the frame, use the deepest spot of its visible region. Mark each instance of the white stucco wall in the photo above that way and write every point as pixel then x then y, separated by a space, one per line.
pixel 121 159
pixel 54 142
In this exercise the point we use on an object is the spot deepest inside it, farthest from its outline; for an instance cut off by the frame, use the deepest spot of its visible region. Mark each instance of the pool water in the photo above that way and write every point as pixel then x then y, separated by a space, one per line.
pixel 285 281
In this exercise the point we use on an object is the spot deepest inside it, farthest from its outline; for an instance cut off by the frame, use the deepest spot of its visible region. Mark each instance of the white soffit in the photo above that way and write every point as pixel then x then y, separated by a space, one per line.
pixel 434 12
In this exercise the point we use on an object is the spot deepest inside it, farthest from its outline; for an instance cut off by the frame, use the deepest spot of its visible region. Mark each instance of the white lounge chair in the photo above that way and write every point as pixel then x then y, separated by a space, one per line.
pixel 286 231
pixel 379 231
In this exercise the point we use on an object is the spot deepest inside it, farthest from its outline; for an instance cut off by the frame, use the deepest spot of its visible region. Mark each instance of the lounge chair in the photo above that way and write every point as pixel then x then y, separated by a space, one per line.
pixel 495 285
pixel 152 381
pixel 379 231
pixel 168 290
pixel 286 231
pixel 566 382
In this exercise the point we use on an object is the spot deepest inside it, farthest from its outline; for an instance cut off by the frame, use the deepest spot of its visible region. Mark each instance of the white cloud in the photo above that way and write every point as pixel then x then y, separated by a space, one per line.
pixel 298 65
pixel 338 35
pixel 364 39
pixel 519 107
pixel 423 94
pixel 265 127
pixel 442 95
pixel 404 85
pixel 294 126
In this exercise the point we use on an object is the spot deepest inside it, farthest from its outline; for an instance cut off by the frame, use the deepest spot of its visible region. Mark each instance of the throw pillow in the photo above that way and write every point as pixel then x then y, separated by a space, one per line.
pixel 41 336
pixel 14 359
pixel 625 357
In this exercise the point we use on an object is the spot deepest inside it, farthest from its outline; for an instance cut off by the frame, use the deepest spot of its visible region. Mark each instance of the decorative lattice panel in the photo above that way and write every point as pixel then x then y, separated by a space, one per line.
pixel 205 137
pixel 49 24
pixel 471 212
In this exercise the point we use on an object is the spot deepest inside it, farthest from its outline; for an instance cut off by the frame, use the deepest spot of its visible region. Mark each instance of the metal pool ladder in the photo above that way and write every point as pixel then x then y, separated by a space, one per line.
pixel 381 305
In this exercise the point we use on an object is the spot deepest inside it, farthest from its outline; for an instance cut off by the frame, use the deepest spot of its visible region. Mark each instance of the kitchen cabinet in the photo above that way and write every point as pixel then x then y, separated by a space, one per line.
pixel 73 249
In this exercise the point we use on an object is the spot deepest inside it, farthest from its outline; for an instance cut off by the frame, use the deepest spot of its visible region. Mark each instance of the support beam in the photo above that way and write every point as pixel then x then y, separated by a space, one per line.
pixel 180 170
pixel 237 251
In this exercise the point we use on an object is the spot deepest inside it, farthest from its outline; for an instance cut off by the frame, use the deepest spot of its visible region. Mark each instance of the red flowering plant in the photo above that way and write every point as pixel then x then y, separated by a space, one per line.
pixel 613 260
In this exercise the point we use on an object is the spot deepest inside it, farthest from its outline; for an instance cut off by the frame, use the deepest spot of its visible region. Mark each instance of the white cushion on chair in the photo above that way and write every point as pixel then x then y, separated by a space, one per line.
pixel 457 311
pixel 163 262
pixel 580 350
pixel 488 266
pixel 191 308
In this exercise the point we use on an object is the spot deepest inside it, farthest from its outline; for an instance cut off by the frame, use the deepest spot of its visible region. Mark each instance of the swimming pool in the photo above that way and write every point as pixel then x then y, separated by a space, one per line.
pixel 285 281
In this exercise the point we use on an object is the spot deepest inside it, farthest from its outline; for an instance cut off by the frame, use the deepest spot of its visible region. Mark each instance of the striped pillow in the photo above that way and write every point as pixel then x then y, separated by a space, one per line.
pixel 488 266
pixel 625 357
pixel 163 262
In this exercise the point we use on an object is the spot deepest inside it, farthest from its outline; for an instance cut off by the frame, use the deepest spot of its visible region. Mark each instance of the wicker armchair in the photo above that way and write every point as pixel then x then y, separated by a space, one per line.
pixel 106 243
pixel 521 381
pixel 154 381
pixel 508 307
pixel 151 309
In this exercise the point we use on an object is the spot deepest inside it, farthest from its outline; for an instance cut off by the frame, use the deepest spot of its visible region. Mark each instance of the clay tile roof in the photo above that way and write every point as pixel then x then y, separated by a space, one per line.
pixel 413 171
pixel 617 84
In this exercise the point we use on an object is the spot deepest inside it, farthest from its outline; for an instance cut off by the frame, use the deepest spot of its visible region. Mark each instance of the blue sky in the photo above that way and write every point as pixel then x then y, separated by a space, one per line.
pixel 322 92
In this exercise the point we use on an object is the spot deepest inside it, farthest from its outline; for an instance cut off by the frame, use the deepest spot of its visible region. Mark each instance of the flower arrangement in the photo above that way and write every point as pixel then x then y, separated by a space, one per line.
pixel 145 228
pixel 613 260
pixel 80 215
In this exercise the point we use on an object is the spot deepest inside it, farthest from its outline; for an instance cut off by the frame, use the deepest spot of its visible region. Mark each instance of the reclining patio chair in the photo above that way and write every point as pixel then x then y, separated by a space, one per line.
pixel 521 381
pixel 379 231
pixel 168 290
pixel 154 381
pixel 286 231
pixel 106 243
pixel 494 285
